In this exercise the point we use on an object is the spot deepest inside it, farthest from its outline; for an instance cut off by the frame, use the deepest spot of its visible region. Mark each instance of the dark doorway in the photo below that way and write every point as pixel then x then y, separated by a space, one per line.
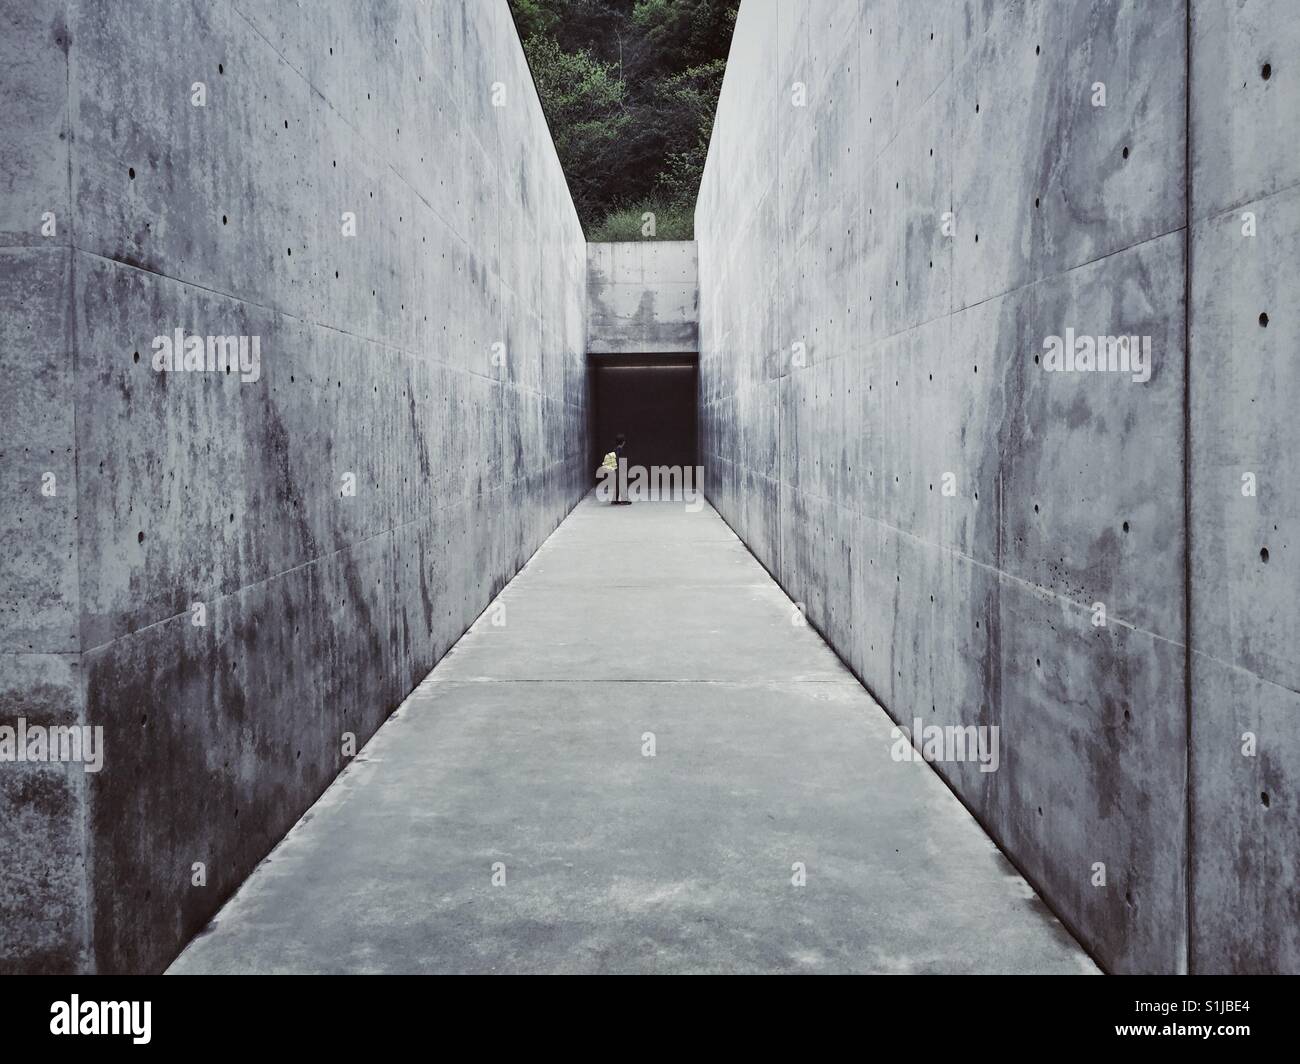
pixel 650 399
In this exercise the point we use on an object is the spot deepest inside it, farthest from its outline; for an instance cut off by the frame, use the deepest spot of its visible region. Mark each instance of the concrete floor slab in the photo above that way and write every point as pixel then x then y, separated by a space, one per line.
pixel 643 522
pixel 579 563
pixel 521 753
pixel 643 633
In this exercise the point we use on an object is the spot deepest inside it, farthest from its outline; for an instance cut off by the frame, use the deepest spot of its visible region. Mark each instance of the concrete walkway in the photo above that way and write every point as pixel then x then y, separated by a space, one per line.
pixel 523 750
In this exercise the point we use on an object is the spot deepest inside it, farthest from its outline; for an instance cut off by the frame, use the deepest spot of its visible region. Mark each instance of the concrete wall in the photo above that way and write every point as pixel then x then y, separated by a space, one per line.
pixel 642 297
pixel 859 343
pixel 437 355
pixel 1245 550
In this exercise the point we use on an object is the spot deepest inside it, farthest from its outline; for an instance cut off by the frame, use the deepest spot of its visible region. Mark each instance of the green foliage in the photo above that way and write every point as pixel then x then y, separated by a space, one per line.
pixel 692 96
pixel 626 223
pixel 585 105
pixel 535 17
pixel 629 88
pixel 686 33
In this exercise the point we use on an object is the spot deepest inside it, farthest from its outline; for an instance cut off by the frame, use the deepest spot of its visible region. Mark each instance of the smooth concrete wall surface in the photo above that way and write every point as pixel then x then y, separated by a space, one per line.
pixel 642 297
pixel 1244 393
pixel 231 577
pixel 902 202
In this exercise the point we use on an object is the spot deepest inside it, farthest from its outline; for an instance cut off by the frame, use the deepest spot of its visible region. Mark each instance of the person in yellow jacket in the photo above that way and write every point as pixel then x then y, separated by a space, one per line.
pixel 611 462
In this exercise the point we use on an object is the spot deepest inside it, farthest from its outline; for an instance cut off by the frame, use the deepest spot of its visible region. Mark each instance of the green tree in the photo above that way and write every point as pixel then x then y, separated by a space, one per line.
pixel 536 17
pixel 585 106
pixel 692 97
pixel 629 88
pixel 685 33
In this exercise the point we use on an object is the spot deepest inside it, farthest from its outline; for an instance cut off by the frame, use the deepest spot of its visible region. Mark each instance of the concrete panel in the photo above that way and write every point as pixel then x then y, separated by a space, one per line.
pixel 34 44
pixel 1245 877
pixel 1244 99
pixel 38 462
pixel 45 923
pixel 643 297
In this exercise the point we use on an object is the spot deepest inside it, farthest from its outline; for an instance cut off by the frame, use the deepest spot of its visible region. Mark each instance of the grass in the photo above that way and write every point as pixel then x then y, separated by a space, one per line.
pixel 625 224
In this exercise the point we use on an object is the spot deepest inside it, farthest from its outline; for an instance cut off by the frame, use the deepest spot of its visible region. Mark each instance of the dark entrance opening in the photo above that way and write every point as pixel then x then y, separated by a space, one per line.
pixel 650 399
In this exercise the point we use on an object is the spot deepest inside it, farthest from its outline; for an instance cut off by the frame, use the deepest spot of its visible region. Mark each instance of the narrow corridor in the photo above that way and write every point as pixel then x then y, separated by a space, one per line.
pixel 510 817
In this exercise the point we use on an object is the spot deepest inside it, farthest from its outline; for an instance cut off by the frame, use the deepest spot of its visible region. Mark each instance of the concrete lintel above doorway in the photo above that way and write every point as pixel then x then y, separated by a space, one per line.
pixel 642 298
